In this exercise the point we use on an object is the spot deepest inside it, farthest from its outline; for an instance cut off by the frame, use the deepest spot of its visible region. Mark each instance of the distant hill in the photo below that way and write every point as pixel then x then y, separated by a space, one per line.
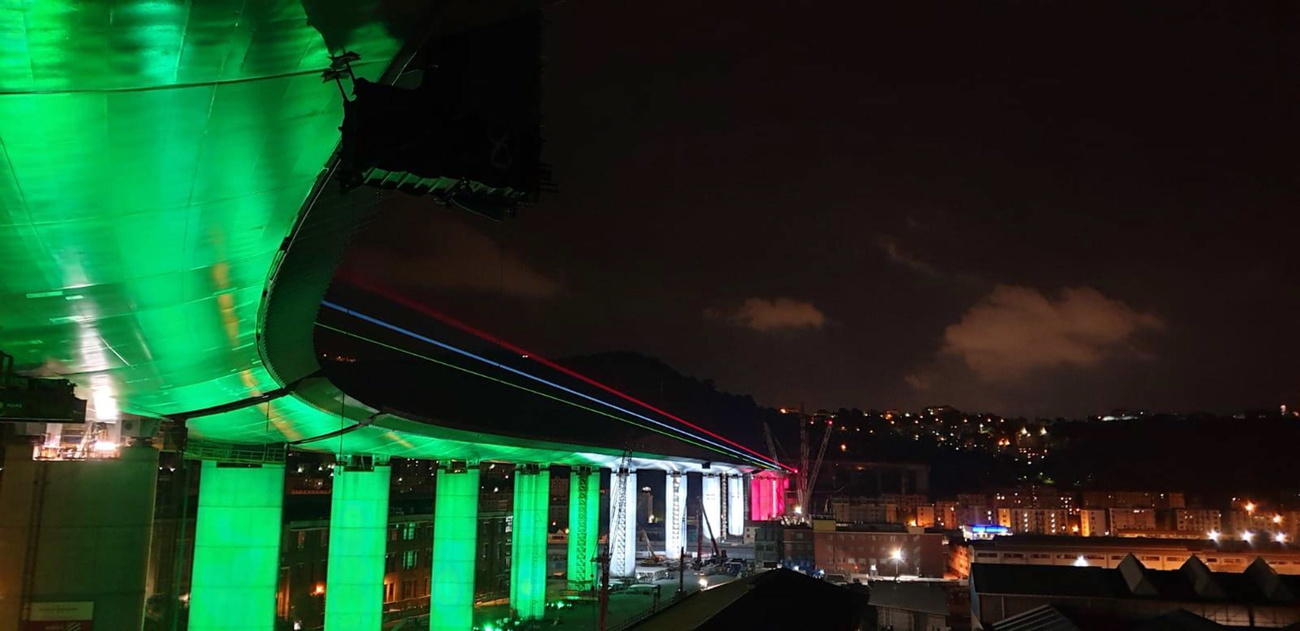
pixel 735 416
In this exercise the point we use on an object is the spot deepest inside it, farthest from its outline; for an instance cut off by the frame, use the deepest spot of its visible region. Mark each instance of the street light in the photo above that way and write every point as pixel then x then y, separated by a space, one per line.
pixel 896 555
pixel 1214 536
pixel 1247 536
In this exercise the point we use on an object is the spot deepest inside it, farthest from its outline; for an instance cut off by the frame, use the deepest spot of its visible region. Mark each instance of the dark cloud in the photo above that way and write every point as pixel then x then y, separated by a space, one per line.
pixel 1016 330
pixel 895 252
pixel 762 314
pixel 450 254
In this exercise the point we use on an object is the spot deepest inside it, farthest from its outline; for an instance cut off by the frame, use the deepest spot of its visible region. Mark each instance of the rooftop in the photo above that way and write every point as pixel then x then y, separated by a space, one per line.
pixel 1201 544
pixel 1193 582
pixel 922 596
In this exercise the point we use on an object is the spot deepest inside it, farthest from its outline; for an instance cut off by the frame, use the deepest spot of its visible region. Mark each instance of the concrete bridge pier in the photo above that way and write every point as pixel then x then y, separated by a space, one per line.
pixel 622 523
pixel 358 543
pixel 528 541
pixel 584 526
pixel 767 495
pixel 711 502
pixel 674 514
pixel 735 505
pixel 455 534
pixel 236 547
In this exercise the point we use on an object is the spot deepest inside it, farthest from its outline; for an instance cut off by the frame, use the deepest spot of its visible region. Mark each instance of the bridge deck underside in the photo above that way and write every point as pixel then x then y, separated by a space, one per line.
pixel 153 158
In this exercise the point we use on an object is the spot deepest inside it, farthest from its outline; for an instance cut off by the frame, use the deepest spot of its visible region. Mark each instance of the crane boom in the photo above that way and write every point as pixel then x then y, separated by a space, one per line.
pixel 817 466
pixel 802 477
pixel 771 443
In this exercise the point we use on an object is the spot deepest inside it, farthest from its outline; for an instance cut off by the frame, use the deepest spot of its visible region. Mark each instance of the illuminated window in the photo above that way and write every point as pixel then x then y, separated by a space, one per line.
pixel 408 559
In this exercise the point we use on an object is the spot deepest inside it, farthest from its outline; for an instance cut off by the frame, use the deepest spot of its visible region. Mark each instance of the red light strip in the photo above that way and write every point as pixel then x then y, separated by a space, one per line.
pixel 457 324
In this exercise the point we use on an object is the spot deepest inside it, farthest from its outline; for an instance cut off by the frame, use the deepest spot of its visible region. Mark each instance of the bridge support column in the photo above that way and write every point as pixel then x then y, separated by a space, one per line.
pixel 674 514
pixel 622 523
pixel 528 541
pixel 584 526
pixel 767 495
pixel 711 502
pixel 236 547
pixel 354 579
pixel 735 505
pixel 76 532
pixel 455 535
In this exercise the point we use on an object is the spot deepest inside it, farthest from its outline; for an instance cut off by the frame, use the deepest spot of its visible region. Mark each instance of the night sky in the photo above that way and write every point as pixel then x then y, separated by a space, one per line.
pixel 1036 208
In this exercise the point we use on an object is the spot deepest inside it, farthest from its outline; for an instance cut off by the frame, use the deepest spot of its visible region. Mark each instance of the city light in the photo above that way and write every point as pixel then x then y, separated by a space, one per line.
pixel 1280 537
pixel 319 590
pixel 896 554
pixel 1250 507
pixel 1277 519
pixel 704 582
pixel 1247 536
pixel 1214 536
pixel 1080 561
pixel 105 445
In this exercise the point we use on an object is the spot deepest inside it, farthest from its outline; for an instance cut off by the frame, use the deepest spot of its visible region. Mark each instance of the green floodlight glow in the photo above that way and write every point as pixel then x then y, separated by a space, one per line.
pixel 354 581
pixel 528 543
pixel 455 531
pixel 584 524
pixel 144 199
pixel 236 548
pixel 153 155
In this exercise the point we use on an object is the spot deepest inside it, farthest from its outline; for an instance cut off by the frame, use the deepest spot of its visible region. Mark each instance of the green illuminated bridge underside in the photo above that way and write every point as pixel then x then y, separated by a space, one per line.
pixel 157 242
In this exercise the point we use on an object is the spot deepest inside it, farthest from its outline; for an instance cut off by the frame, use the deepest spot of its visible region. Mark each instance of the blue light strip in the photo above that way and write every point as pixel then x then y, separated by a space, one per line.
pixel 465 353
